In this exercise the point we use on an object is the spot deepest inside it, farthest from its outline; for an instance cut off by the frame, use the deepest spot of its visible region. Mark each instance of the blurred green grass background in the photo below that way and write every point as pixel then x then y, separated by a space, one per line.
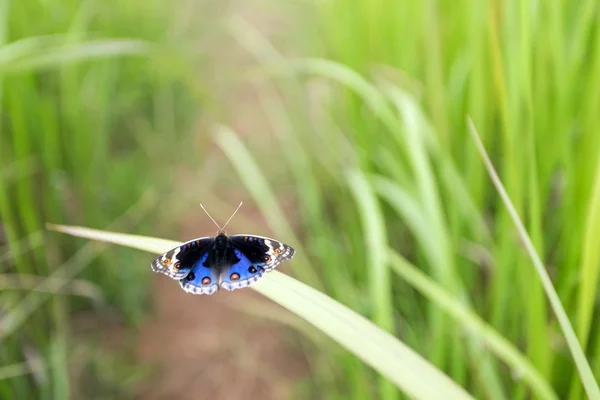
pixel 349 133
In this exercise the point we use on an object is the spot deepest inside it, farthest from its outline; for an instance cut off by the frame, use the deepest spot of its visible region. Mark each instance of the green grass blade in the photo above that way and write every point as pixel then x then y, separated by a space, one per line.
pixel 474 325
pixel 377 264
pixel 376 242
pixel 258 185
pixel 24 368
pixel 76 287
pixel 30 46
pixel 59 370
pixel 386 354
pixel 585 372
pixel 149 244
pixel 250 172
pixel 373 98
pixel 588 274
pixel 71 53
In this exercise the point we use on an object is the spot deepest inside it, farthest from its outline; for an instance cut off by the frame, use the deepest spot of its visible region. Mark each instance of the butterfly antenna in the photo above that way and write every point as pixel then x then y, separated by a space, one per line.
pixel 236 210
pixel 212 219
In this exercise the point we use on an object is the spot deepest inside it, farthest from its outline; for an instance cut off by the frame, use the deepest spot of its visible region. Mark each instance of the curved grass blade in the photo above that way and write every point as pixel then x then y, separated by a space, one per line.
pixel 473 324
pixel 258 186
pixel 585 372
pixel 380 286
pixel 589 272
pixel 29 282
pixel 386 354
pixel 69 53
pixel 20 369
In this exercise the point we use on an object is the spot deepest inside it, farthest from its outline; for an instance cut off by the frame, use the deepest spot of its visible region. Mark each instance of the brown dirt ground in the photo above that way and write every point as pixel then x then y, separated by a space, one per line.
pixel 207 350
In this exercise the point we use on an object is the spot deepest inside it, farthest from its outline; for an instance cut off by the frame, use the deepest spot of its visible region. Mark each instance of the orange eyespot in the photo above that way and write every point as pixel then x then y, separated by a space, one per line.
pixel 205 280
pixel 235 276
pixel 268 258
pixel 166 261
pixel 177 265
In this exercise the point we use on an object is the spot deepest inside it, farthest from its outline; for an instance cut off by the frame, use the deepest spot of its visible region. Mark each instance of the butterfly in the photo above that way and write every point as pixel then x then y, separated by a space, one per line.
pixel 205 265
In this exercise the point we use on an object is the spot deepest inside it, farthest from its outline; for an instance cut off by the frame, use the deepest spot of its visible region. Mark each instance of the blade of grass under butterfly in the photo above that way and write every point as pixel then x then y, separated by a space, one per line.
pixel 389 356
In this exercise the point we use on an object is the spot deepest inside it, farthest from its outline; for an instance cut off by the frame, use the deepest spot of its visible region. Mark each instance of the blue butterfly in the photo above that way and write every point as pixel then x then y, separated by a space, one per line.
pixel 205 265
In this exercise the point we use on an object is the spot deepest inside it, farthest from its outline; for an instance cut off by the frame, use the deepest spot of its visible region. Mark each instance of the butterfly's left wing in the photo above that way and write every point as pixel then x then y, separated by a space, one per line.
pixel 178 262
pixel 255 256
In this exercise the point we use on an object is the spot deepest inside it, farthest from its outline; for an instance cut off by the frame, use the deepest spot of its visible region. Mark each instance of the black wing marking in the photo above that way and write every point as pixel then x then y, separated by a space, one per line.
pixel 178 262
pixel 260 249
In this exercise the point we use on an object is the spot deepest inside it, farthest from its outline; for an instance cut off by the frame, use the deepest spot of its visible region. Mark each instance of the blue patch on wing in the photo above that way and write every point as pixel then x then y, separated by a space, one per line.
pixel 201 279
pixel 241 274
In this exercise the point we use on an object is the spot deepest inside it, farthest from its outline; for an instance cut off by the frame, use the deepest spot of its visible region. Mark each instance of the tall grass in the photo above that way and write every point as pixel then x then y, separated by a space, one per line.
pixel 387 96
pixel 370 171
pixel 80 84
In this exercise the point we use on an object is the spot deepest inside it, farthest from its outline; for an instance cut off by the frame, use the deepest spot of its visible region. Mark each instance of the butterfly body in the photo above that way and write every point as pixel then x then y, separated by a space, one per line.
pixel 205 265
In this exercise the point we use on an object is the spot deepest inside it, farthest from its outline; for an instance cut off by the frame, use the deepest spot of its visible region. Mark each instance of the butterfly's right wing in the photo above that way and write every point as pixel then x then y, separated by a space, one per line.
pixel 177 263
pixel 260 249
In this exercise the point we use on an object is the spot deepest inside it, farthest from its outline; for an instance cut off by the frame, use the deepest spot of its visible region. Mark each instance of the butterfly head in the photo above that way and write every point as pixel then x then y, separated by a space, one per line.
pixel 221 240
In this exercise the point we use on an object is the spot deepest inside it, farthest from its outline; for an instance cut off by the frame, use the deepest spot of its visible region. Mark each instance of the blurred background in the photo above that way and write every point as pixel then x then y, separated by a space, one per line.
pixel 342 126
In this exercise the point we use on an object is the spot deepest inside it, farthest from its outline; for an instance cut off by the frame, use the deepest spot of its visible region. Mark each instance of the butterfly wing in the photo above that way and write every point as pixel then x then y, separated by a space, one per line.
pixel 255 256
pixel 241 273
pixel 201 279
pixel 263 249
pixel 201 271
pixel 178 262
